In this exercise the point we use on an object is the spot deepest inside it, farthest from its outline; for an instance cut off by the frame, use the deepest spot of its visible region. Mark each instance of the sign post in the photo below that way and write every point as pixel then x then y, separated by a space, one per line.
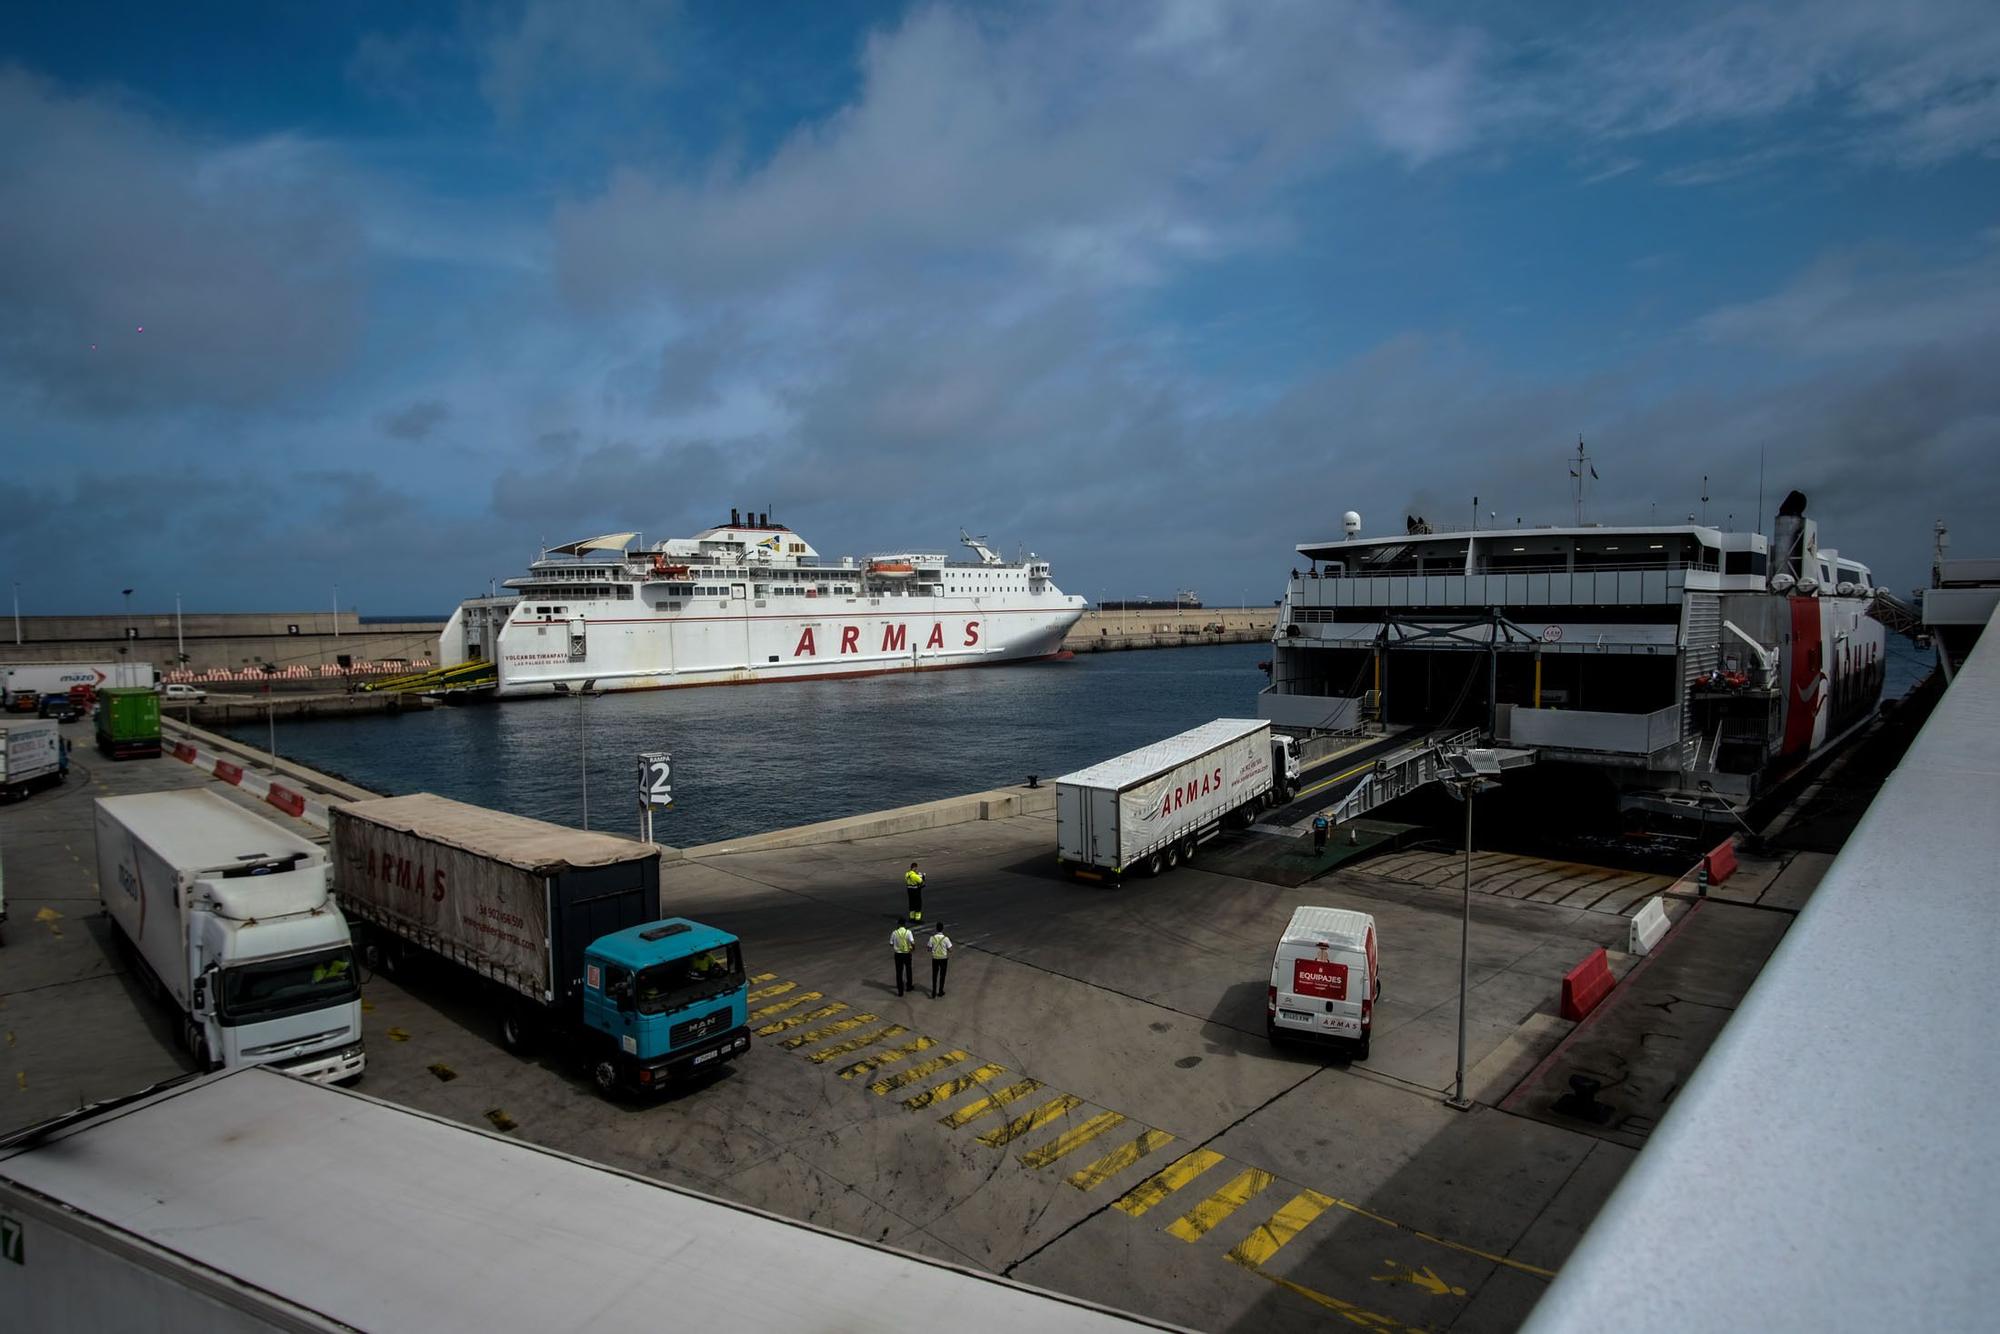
pixel 656 788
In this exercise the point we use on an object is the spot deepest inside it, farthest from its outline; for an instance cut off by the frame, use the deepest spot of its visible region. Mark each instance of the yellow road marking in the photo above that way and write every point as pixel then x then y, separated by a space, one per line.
pixel 1536 1270
pixel 780 1025
pixel 825 1031
pixel 1072 1139
pixel 763 977
pixel 916 1072
pixel 803 998
pixel 1120 1158
pixel 1196 1223
pixel 1030 1121
pixel 951 1088
pixel 888 1057
pixel 856 1044
pixel 1347 1310
pixel 992 1102
pixel 776 989
pixel 1166 1181
pixel 1279 1228
pixel 1325 783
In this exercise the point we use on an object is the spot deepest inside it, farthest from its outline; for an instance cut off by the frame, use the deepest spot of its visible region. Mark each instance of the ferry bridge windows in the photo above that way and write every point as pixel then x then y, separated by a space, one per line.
pixel 1744 562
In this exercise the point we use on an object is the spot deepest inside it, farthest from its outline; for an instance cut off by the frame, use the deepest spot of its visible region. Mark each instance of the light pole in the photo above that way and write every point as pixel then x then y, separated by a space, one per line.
pixel 583 749
pixel 336 613
pixel 180 639
pixel 271 709
pixel 125 648
pixel 17 611
pixel 1473 771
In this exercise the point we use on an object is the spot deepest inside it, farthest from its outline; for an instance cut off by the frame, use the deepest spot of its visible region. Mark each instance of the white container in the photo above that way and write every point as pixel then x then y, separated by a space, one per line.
pixel 30 754
pixel 1149 808
pixel 1325 978
pixel 234 916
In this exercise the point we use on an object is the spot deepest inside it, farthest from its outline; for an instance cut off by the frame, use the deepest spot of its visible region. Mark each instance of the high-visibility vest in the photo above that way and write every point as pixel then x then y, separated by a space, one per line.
pixel 913 879
pixel 940 945
pixel 901 940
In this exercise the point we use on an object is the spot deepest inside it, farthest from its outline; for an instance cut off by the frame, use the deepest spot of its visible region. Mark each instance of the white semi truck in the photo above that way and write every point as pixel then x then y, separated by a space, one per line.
pixel 56 678
pixel 232 918
pixel 1148 809
pixel 246 1201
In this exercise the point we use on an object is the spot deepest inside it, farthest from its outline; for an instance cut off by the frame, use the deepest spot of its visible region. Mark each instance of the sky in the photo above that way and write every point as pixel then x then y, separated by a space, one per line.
pixel 382 297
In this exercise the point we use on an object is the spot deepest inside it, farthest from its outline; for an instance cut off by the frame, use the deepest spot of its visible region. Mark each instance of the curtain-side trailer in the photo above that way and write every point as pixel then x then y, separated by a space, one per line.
pixel 1150 808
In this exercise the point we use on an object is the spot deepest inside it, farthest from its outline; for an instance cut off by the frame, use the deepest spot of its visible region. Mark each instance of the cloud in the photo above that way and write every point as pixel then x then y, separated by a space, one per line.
pixel 1855 302
pixel 145 270
pixel 545 47
pixel 415 421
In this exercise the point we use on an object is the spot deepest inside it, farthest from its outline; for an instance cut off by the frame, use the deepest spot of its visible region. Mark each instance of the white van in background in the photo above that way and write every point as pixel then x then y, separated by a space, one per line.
pixel 1325 978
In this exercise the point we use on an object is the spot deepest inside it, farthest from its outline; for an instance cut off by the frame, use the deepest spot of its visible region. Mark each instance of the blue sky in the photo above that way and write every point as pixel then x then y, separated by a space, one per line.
pixel 387 295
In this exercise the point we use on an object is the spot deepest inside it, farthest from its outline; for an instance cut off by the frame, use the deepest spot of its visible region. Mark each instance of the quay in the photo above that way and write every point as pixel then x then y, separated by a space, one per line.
pixel 1094 1107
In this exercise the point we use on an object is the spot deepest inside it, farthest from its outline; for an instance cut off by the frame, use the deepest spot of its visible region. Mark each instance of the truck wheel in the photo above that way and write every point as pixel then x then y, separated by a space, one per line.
pixel 605 1075
pixel 515 1034
pixel 1153 863
pixel 1187 850
pixel 1173 855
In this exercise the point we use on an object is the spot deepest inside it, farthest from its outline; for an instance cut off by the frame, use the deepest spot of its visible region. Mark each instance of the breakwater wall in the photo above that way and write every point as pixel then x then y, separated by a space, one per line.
pixel 1105 631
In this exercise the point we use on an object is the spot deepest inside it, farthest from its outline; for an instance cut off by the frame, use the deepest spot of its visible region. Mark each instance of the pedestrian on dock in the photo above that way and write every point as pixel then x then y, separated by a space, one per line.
pixel 913 885
pixel 940 959
pixel 901 941
pixel 1319 833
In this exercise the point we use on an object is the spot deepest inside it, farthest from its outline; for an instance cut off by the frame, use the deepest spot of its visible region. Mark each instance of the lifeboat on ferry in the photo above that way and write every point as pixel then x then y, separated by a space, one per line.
pixel 891 569
pixel 662 566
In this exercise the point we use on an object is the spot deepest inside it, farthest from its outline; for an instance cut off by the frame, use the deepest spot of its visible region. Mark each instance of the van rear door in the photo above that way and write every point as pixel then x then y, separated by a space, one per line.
pixel 1320 990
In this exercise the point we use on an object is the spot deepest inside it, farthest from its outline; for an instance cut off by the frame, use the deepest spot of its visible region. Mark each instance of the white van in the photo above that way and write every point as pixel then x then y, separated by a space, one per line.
pixel 1325 978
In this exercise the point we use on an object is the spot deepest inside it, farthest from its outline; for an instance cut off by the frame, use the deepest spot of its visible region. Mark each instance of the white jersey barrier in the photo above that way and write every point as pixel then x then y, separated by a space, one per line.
pixel 291 800
pixel 1649 925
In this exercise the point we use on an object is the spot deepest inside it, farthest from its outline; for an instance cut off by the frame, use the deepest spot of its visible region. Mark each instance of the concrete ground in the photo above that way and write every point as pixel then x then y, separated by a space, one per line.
pixel 1092 1107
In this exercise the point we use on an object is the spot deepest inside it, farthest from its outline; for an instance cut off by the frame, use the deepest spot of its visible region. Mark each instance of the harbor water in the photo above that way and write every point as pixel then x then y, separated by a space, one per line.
pixel 749 759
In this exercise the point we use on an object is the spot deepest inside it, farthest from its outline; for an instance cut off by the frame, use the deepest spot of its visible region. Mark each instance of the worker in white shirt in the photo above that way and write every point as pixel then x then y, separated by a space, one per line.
pixel 940 959
pixel 901 942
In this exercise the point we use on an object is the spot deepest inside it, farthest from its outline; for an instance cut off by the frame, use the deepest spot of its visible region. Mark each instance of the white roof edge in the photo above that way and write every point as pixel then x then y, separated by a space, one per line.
pixel 1387 539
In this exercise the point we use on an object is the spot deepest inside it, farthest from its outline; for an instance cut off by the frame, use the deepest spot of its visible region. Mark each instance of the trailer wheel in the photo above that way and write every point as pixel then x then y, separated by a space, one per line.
pixel 1173 855
pixel 605 1075
pixel 515 1033
pixel 1152 863
pixel 1187 850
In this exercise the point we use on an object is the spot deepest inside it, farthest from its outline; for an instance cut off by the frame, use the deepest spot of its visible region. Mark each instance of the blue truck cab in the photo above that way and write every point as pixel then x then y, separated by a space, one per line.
pixel 669 997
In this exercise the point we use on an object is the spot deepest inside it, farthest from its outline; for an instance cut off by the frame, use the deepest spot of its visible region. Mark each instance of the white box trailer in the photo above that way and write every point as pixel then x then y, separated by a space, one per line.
pixel 30 755
pixel 251 1201
pixel 1149 808
pixel 233 918
pixel 46 678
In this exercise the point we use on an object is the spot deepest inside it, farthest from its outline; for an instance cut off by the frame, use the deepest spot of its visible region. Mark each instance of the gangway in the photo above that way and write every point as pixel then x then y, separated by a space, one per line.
pixel 477 674
pixel 1898 617
pixel 1402 772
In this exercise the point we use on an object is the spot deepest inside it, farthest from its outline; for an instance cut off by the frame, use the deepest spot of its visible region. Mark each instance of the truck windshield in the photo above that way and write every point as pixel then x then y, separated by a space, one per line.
pixel 701 976
pixel 296 985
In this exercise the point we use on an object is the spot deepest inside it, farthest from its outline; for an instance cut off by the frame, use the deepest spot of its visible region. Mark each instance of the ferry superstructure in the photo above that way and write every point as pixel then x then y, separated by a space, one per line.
pixel 1678 668
pixel 752 601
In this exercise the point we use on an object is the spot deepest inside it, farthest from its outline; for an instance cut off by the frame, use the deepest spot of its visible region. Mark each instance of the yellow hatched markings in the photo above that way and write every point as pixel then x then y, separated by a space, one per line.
pixel 918 1071
pixel 992 1102
pixel 1353 1314
pixel 1197 1222
pixel 780 1025
pixel 1030 1121
pixel 1166 1181
pixel 763 977
pixel 777 989
pixel 1072 1139
pixel 1279 1228
pixel 888 1057
pixel 951 1088
pixel 1120 1158
pixel 825 1031
pixel 779 1007
pixel 1521 1265
pixel 856 1044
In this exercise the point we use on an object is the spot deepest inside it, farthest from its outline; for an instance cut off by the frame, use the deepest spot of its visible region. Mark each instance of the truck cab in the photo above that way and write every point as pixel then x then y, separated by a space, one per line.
pixel 1284 764
pixel 273 972
pixel 669 999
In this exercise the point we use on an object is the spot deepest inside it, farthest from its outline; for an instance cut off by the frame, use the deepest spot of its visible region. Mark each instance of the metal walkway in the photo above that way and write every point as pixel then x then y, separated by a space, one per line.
pixel 475 675
pixel 1355 793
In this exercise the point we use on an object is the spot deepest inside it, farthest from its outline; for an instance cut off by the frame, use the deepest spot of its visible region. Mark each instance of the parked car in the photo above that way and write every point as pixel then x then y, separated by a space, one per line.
pixel 175 692
pixel 59 707
pixel 23 701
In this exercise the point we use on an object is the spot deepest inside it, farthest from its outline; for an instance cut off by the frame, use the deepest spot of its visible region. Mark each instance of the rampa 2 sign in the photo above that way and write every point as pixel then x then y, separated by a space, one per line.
pixel 656 774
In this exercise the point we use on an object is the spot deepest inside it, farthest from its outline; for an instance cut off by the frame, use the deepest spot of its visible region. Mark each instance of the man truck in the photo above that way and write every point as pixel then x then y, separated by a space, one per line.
pixel 231 919
pixel 561 928
pixel 1149 809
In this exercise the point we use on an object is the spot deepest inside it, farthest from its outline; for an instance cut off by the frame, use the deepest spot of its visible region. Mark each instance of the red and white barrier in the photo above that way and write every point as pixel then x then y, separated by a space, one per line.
pixel 296 672
pixel 1721 861
pixel 1585 985
pixel 290 800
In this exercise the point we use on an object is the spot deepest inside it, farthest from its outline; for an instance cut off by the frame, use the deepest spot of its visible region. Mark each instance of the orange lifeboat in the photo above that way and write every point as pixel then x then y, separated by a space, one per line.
pixel 891 569
pixel 671 571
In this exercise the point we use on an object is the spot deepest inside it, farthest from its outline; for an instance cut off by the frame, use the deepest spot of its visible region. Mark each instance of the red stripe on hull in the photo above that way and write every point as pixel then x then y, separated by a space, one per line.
pixel 1806 692
pixel 1060 655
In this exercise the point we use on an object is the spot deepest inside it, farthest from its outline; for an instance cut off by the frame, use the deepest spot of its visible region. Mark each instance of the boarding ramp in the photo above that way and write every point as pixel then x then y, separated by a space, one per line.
pixel 478 674
pixel 1402 772
pixel 1897 616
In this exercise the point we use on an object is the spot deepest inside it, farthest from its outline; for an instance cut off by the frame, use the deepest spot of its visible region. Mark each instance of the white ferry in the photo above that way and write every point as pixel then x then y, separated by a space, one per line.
pixel 1674 665
pixel 751 601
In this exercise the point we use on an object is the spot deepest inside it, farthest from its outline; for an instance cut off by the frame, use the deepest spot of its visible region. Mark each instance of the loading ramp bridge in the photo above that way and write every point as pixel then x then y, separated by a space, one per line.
pixel 478 674
pixel 1395 774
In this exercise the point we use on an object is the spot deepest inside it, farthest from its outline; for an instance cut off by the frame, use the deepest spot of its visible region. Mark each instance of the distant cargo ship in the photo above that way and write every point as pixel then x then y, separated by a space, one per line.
pixel 1185 600
pixel 750 601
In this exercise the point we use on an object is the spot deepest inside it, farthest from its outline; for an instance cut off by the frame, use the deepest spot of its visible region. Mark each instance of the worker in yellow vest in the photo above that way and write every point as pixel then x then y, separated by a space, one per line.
pixel 913 884
pixel 940 958
pixel 901 941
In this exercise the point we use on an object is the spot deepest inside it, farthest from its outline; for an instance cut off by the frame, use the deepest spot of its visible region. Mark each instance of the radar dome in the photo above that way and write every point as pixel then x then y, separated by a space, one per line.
pixel 1351 522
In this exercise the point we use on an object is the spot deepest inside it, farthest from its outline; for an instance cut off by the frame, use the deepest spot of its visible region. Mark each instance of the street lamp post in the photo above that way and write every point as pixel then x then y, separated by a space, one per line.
pixel 336 614
pixel 125 648
pixel 583 749
pixel 1473 771
pixel 271 709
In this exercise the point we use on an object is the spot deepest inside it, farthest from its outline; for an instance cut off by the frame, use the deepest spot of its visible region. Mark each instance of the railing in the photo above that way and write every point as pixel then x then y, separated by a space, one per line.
pixel 1482 567
pixel 1624 586
pixel 1604 733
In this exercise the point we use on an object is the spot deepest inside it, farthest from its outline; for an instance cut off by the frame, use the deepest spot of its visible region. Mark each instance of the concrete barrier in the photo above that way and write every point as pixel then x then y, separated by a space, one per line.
pixel 999 804
pixel 286 800
pixel 1649 926
pixel 1585 985
pixel 1721 861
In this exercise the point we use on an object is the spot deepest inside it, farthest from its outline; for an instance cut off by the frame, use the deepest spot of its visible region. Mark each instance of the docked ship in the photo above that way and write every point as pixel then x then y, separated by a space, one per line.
pixel 1680 670
pixel 750 601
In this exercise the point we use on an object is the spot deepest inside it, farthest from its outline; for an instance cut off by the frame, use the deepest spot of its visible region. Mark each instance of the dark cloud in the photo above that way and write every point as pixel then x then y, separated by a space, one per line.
pixel 415 421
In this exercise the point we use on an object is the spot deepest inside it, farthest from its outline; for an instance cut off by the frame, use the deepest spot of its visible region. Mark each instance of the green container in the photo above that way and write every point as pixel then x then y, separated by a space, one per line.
pixel 128 722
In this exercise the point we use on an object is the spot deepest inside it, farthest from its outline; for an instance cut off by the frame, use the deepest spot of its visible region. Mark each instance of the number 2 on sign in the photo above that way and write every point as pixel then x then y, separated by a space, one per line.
pixel 656 773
